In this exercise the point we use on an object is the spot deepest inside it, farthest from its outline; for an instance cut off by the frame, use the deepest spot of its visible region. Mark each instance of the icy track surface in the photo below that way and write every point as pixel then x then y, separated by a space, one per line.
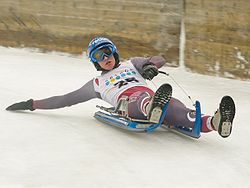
pixel 68 148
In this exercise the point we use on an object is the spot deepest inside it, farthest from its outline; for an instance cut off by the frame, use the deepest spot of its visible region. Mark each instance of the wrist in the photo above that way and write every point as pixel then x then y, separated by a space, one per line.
pixel 30 104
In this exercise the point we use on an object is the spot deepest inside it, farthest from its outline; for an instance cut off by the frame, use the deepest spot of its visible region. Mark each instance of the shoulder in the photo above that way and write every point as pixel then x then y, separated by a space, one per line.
pixel 139 59
pixel 127 63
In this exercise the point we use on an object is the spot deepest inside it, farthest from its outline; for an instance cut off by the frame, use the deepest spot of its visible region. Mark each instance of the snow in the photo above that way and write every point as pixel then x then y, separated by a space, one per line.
pixel 69 148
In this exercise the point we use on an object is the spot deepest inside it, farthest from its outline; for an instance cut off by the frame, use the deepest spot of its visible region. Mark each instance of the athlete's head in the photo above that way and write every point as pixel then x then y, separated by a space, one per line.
pixel 102 52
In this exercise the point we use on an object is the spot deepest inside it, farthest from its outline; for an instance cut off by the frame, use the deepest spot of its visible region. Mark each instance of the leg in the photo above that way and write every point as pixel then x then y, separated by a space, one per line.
pixel 137 104
pixel 146 105
pixel 222 121
pixel 179 114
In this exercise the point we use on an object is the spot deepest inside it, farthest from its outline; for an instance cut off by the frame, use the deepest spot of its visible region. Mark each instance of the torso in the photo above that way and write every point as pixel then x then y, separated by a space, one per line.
pixel 113 83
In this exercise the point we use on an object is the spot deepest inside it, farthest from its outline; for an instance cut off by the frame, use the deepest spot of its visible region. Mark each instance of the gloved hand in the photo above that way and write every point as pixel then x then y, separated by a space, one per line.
pixel 25 105
pixel 149 71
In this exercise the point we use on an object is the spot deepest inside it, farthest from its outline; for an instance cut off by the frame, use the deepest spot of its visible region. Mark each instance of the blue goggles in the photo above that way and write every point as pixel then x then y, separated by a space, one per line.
pixel 99 53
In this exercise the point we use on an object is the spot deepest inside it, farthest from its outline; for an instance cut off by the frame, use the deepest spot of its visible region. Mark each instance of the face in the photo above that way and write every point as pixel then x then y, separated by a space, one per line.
pixel 108 63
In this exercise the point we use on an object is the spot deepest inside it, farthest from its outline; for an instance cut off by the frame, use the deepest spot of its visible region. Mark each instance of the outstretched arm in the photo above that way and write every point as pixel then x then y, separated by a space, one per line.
pixel 83 94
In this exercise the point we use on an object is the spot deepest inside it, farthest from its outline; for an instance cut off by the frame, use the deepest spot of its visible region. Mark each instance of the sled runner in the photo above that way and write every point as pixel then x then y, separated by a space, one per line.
pixel 118 117
pixel 192 132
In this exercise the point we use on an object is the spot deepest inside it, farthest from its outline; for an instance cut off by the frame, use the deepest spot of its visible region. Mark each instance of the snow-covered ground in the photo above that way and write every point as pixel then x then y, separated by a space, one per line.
pixel 68 148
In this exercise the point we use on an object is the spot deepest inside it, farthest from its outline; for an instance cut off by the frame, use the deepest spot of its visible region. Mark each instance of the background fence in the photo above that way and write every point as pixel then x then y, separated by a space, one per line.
pixel 217 32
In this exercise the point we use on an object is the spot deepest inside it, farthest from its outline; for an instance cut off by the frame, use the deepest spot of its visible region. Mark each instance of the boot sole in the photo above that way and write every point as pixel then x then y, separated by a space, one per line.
pixel 161 98
pixel 227 110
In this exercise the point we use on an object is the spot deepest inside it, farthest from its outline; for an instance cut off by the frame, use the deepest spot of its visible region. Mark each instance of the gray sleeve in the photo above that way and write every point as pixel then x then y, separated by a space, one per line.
pixel 139 62
pixel 83 94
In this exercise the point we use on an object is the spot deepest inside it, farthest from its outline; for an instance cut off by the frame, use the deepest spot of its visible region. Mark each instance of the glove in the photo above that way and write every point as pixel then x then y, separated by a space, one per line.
pixel 25 105
pixel 149 71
